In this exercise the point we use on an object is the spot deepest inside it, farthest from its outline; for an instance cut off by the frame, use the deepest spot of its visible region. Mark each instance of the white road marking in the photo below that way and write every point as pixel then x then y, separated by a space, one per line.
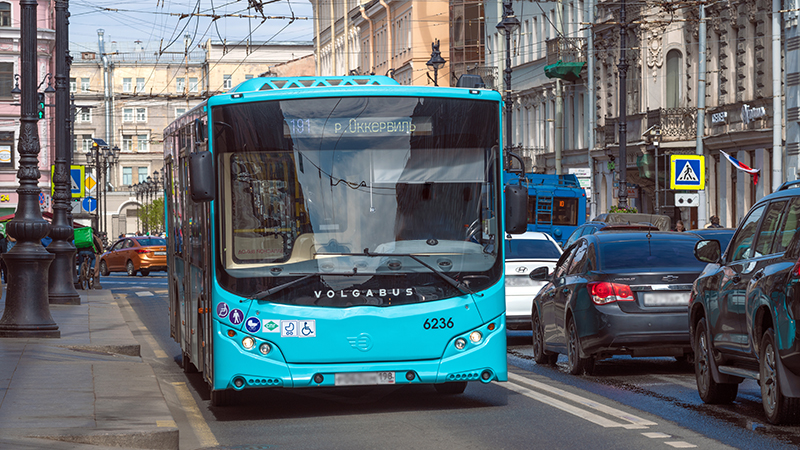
pixel 656 435
pixel 643 423
pixel 198 424
pixel 144 294
pixel 680 444
pixel 574 410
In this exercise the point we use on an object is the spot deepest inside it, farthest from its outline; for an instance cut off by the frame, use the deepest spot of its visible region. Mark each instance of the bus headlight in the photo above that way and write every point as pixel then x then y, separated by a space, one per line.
pixel 264 348
pixel 475 336
pixel 461 343
pixel 248 342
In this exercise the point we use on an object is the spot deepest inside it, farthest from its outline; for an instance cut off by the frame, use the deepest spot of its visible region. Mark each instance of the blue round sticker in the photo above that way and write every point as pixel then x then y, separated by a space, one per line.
pixel 222 310
pixel 252 324
pixel 236 317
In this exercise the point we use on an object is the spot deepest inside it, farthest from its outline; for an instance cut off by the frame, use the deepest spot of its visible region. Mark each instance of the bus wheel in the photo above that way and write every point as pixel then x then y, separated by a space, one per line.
pixel 221 398
pixel 451 388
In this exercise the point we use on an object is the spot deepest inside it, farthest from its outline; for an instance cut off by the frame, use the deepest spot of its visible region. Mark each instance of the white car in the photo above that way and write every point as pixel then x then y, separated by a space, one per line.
pixel 525 252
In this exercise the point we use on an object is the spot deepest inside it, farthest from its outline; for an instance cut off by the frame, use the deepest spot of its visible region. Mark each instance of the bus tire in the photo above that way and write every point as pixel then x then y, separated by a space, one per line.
pixel 222 397
pixel 452 388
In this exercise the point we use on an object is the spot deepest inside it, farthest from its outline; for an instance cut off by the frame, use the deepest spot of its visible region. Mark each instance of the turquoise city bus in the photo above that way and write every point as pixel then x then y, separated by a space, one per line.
pixel 339 231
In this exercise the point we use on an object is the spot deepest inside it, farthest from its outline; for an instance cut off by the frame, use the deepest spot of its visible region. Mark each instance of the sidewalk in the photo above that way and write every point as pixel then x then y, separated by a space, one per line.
pixel 89 389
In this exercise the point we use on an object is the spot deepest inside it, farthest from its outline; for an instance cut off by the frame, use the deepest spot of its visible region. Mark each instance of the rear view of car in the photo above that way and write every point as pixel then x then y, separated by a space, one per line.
pixel 524 253
pixel 616 294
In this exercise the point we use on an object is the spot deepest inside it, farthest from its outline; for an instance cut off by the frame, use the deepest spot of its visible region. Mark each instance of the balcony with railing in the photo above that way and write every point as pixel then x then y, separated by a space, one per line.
pixel 677 124
pixel 489 75
pixel 566 49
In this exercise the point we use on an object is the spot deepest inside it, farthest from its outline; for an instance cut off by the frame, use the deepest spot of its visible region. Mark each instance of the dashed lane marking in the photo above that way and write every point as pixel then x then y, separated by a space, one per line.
pixel 144 294
pixel 680 444
pixel 635 420
pixel 656 435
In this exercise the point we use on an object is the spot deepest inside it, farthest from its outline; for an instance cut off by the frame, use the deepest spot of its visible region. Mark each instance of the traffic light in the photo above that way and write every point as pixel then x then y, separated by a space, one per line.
pixel 41 105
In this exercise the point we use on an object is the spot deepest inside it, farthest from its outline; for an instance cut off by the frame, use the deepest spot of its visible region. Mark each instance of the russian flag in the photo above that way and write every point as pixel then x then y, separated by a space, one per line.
pixel 741 166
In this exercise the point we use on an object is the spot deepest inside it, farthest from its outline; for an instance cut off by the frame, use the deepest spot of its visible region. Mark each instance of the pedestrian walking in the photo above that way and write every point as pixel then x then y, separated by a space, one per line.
pixel 679 226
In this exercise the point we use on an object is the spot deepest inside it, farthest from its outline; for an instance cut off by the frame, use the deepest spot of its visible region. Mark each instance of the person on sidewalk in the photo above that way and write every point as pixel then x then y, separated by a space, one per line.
pixel 714 222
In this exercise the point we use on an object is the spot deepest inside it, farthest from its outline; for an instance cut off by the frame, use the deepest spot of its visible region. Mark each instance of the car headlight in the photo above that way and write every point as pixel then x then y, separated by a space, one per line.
pixel 461 343
pixel 248 342
pixel 475 336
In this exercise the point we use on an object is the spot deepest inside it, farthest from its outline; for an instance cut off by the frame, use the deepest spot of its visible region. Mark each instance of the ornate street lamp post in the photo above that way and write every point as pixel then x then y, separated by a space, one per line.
pixel 436 62
pixel 27 309
pixel 61 287
pixel 135 188
pixel 508 25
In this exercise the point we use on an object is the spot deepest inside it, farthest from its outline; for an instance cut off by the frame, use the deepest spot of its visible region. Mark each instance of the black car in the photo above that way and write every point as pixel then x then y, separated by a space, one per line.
pixel 619 222
pixel 723 235
pixel 745 306
pixel 616 293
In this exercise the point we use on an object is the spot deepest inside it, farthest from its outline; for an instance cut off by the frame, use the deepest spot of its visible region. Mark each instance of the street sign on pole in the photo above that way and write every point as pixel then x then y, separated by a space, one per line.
pixel 76 180
pixel 688 172
pixel 89 204
pixel 90 183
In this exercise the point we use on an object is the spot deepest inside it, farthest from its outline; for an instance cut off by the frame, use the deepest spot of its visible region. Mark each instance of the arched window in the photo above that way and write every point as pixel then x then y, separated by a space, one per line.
pixel 673 99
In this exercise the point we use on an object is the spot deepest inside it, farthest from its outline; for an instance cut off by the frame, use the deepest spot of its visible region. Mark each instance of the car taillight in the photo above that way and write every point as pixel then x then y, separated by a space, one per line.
pixel 604 292
pixel 142 250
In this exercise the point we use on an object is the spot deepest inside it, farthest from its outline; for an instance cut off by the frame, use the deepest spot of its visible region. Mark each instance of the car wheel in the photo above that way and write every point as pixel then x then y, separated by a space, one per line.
pixel 145 272
pixel 778 408
pixel 710 391
pixel 575 364
pixel 540 355
pixel 452 388
pixel 130 269
pixel 104 269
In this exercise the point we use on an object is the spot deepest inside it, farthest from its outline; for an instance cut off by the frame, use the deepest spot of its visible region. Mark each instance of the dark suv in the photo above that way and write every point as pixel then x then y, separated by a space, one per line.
pixel 744 306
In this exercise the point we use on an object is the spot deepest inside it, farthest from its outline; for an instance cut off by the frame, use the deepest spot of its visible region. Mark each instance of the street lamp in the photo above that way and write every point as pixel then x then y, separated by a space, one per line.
pixel 436 62
pixel 27 308
pixel 508 25
pixel 102 158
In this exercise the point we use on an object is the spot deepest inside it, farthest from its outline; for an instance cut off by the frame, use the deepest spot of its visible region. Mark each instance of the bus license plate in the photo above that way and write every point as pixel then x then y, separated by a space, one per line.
pixel 364 378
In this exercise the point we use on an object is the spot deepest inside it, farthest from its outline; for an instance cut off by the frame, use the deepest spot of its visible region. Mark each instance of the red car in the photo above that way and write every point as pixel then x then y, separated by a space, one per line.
pixel 134 254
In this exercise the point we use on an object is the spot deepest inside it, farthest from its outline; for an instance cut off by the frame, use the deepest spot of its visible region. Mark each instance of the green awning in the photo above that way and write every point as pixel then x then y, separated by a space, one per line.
pixel 570 71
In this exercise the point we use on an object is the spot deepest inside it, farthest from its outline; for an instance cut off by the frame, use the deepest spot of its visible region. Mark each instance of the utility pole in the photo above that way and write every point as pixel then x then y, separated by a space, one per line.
pixel 701 108
pixel 559 140
pixel 623 111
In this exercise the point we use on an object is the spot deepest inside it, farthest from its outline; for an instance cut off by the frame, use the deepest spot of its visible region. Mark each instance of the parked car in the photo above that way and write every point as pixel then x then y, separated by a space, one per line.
pixel 594 226
pixel 616 293
pixel 143 254
pixel 525 252
pixel 744 307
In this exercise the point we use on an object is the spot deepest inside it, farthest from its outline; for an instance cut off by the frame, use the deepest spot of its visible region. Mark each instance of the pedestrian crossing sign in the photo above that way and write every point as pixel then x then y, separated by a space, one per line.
pixel 688 172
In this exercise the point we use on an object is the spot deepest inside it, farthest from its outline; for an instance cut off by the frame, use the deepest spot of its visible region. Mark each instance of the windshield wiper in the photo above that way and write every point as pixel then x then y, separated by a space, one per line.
pixel 267 292
pixel 452 281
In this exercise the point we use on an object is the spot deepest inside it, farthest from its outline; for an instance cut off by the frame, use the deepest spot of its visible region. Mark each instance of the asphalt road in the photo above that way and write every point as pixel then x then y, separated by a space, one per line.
pixel 627 403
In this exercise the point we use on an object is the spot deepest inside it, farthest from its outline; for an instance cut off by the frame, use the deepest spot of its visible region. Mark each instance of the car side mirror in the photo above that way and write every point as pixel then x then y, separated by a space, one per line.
pixel 540 274
pixel 516 209
pixel 708 251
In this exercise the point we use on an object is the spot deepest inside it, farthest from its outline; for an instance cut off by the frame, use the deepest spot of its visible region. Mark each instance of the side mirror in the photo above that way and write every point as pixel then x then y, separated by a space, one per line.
pixel 516 209
pixel 201 176
pixel 540 274
pixel 708 251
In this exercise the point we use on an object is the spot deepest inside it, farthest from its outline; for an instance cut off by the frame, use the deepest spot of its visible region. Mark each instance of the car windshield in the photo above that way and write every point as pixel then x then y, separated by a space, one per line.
pixel 151 242
pixel 531 249
pixel 644 254
pixel 336 187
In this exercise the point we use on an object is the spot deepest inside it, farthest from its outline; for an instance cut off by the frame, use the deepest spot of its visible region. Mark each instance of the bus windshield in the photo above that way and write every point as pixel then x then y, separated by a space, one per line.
pixel 362 195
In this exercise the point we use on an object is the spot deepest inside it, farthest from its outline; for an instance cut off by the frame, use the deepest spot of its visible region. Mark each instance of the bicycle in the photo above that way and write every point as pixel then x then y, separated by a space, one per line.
pixel 86 274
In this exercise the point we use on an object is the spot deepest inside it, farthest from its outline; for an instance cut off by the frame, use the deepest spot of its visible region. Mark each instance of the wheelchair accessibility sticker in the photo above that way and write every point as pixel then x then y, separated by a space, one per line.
pixel 298 328
pixel 222 310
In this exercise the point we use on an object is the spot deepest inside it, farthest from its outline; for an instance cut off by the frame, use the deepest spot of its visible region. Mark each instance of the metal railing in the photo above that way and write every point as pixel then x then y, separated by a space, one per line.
pixel 566 49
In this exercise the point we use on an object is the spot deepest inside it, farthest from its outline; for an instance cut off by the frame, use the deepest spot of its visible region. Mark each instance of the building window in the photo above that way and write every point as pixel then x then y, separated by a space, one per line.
pixel 193 84
pixel 127 176
pixel 73 85
pixel 127 114
pixel 141 114
pixel 179 112
pixel 6 79
pixel 86 142
pixel 142 171
pixel 127 142
pixel 85 85
pixel 127 85
pixel 142 143
pixel 673 99
pixel 140 85
pixel 227 83
pixel 5 15
pixel 180 84
pixel 84 115
pixel 248 77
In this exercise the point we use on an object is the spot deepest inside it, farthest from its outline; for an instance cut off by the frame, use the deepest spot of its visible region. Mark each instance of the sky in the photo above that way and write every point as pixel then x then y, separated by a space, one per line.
pixel 158 24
